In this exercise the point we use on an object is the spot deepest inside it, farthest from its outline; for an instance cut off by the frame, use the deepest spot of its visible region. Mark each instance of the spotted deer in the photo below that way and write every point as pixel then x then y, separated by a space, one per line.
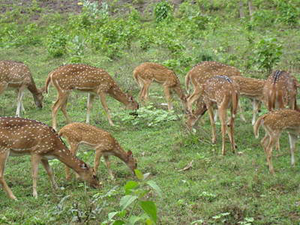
pixel 280 91
pixel 274 123
pixel 17 75
pixel 89 79
pixel 223 92
pixel 146 73
pixel 253 89
pixel 20 136
pixel 102 141
pixel 201 72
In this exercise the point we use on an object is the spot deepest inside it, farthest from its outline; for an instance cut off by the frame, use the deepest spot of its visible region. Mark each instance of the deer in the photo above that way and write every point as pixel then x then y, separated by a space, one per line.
pixel 202 72
pixel 148 72
pixel 253 89
pixel 17 75
pixel 19 136
pixel 102 141
pixel 280 91
pixel 274 123
pixel 221 91
pixel 89 79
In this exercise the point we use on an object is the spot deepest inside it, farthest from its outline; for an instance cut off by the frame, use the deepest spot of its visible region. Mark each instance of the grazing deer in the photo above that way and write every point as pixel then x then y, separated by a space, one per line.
pixel 280 90
pixel 202 72
pixel 103 143
pixel 18 76
pixel 223 92
pixel 89 79
pixel 251 88
pixel 274 123
pixel 146 73
pixel 20 136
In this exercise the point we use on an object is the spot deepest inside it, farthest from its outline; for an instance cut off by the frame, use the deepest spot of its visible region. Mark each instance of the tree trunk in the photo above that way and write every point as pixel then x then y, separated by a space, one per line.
pixel 242 15
pixel 250 6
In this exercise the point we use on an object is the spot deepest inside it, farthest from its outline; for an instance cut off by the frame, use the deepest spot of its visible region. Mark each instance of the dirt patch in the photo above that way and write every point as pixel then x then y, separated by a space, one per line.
pixel 39 7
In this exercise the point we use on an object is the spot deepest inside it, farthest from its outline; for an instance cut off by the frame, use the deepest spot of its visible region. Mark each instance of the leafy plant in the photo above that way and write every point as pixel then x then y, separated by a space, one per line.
pixel 56 42
pixel 76 49
pixel 267 53
pixel 135 206
pixel 163 11
pixel 147 116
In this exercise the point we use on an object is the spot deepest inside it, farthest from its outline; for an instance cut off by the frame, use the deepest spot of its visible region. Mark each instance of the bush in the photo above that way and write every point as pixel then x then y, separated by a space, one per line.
pixel 163 11
pixel 267 53
pixel 56 42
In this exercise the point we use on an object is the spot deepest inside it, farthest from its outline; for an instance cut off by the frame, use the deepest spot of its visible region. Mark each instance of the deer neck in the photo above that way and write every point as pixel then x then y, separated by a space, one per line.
pixel 32 88
pixel 118 94
pixel 120 153
pixel 69 159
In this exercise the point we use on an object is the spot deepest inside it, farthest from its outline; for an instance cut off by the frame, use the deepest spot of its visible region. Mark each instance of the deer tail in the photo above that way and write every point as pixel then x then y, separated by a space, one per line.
pixel 235 102
pixel 257 125
pixel 272 97
pixel 187 81
pixel 47 84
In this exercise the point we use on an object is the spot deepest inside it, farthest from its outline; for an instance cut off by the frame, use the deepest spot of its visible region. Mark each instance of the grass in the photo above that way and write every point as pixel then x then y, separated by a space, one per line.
pixel 231 189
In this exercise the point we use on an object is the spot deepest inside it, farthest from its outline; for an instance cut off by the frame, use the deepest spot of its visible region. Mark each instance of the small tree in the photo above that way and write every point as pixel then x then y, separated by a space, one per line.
pixel 267 53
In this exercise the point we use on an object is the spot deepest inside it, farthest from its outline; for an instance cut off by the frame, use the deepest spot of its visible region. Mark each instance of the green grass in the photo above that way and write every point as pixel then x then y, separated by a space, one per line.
pixel 231 189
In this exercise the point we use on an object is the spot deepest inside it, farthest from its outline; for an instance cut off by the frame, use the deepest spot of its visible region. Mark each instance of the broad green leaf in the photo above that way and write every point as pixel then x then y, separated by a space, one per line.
pixel 139 174
pixel 150 208
pixel 152 184
pixel 118 222
pixel 134 219
pixel 111 215
pixel 149 222
pixel 129 186
pixel 127 200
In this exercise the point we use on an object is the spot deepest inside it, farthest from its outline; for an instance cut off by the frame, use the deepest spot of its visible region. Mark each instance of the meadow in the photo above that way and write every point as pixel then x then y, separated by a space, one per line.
pixel 117 36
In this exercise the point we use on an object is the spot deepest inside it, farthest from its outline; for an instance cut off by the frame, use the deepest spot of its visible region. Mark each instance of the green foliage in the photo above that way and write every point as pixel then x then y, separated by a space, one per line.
pixel 56 42
pixel 267 53
pixel 203 187
pixel 289 13
pixel 76 49
pixel 133 206
pixel 147 116
pixel 163 11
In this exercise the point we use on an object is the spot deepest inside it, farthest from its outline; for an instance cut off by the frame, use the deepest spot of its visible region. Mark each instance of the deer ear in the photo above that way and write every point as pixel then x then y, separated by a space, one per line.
pixel 129 153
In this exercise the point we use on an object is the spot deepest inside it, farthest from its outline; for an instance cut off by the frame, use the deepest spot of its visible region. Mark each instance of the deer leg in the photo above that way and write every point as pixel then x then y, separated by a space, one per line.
pixel 50 173
pixel 56 106
pixel 90 101
pixel 108 167
pixel 231 132
pixel 3 158
pixel 241 113
pixel 64 109
pixel 292 140
pixel 19 100
pixel 265 141
pixel 168 97
pixel 222 114
pixel 212 122
pixel 104 104
pixel 146 91
pixel 35 160
pixel 269 149
pixel 256 104
pixel 73 149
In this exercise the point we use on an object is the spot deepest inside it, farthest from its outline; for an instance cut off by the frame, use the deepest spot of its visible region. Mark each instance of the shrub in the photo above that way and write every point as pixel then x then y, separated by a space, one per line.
pixel 267 53
pixel 163 11
pixel 56 42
